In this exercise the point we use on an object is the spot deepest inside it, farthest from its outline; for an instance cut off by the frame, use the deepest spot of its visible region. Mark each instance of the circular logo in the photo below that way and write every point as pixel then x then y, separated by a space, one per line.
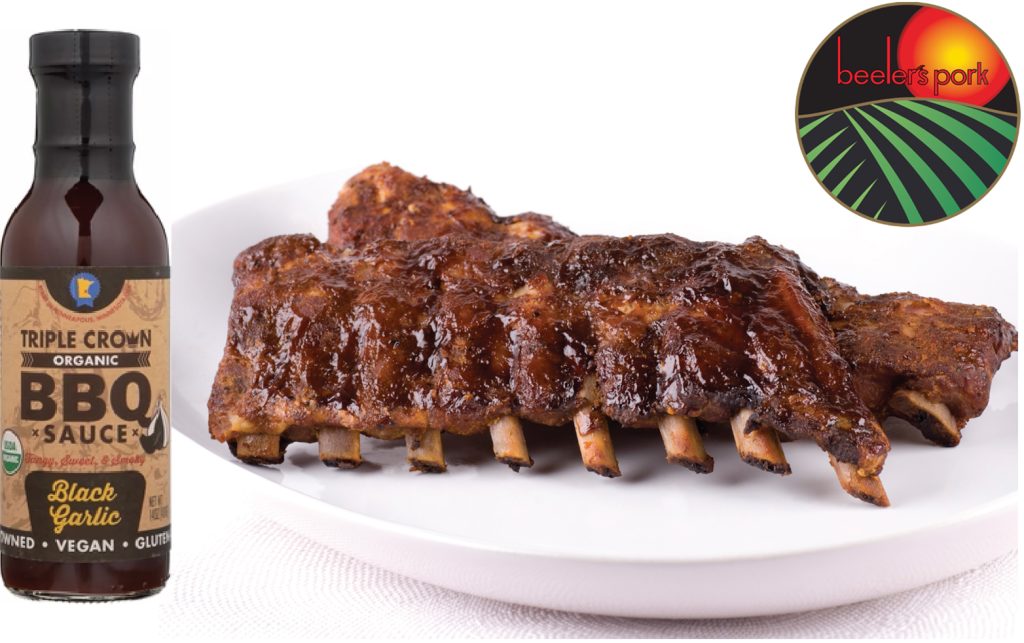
pixel 11 452
pixel 84 288
pixel 907 114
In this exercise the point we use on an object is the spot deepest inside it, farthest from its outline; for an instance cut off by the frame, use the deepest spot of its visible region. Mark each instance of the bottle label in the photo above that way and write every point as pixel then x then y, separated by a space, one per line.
pixel 85 406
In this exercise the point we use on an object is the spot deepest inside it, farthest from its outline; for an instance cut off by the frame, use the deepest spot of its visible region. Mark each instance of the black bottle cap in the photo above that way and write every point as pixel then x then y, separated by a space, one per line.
pixel 113 50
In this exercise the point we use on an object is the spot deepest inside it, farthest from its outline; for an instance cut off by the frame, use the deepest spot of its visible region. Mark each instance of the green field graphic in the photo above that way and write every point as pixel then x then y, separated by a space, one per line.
pixel 908 161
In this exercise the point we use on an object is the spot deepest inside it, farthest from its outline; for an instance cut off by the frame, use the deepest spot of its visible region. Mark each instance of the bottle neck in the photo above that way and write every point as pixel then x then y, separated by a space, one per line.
pixel 84 124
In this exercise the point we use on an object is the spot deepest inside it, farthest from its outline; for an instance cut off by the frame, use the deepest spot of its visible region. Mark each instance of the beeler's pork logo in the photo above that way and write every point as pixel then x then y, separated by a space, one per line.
pixel 907 114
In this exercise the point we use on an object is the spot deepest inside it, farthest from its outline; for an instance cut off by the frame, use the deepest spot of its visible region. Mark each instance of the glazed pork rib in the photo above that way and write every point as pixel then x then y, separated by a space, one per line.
pixel 926 361
pixel 319 378
pixel 458 334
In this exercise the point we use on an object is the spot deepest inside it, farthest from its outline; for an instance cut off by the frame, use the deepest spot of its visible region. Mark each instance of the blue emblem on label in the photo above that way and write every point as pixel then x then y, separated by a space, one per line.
pixel 85 288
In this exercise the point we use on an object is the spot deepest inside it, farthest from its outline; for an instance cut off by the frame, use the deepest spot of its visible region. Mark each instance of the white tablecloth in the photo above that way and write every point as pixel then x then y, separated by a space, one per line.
pixel 312 591
pixel 237 572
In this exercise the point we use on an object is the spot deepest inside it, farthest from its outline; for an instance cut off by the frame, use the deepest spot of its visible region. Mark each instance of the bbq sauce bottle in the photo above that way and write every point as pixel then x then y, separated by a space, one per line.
pixel 84 386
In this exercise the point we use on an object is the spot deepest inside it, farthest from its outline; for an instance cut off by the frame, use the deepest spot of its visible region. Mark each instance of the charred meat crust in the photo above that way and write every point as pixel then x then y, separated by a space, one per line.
pixel 399 328
pixel 894 342
pixel 453 332
pixel 384 202
pixel 947 352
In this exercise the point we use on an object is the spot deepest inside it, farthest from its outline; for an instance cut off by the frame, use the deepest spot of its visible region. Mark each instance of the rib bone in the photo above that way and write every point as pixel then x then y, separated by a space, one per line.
pixel 759 447
pixel 509 443
pixel 255 448
pixel 934 419
pixel 867 488
pixel 595 442
pixel 683 444
pixel 425 452
pixel 339 448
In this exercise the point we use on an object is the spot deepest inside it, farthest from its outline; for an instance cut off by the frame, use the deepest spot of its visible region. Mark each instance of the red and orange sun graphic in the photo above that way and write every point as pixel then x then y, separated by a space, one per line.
pixel 950 47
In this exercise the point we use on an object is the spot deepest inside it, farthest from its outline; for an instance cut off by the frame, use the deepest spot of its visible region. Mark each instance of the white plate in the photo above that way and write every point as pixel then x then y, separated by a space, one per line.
pixel 658 542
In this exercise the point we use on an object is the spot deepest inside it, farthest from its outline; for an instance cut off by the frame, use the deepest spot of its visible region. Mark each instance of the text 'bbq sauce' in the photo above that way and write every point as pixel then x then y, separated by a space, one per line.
pixel 84 295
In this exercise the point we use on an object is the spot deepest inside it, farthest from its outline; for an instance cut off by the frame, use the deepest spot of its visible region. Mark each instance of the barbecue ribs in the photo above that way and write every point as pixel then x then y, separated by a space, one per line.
pixel 427 313
pixel 410 338
pixel 926 361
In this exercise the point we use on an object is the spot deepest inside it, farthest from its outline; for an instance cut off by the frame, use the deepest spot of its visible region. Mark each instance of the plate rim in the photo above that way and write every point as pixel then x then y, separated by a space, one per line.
pixel 963 519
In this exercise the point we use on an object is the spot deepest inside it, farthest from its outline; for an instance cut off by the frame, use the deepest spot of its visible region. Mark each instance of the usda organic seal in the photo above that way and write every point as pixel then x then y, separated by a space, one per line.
pixel 12 452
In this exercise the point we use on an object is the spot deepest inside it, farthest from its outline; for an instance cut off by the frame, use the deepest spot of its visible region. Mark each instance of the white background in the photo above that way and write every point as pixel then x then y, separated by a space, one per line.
pixel 615 117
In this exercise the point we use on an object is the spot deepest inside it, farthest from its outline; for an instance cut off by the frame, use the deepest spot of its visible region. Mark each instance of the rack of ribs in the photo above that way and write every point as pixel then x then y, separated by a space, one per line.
pixel 426 313
pixel 926 361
